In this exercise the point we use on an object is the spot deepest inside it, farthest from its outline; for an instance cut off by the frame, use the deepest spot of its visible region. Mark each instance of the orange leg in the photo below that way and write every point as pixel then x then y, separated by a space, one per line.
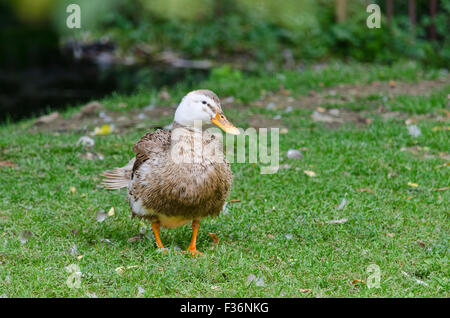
pixel 192 249
pixel 155 227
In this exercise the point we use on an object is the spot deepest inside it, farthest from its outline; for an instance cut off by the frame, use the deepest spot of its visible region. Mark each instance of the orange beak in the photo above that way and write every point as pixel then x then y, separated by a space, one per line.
pixel 221 121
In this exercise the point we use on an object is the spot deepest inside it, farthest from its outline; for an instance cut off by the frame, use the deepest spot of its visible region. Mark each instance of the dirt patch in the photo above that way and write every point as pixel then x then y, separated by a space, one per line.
pixel 391 88
pixel 425 153
pixel 334 118
pixel 259 121
pixel 338 95
pixel 344 93
pixel 94 115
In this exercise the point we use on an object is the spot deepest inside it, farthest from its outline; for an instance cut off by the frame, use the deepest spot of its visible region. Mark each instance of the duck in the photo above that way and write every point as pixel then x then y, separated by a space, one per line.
pixel 181 175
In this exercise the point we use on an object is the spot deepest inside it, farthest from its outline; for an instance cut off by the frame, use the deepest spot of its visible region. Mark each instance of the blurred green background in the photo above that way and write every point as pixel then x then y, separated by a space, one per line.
pixel 125 46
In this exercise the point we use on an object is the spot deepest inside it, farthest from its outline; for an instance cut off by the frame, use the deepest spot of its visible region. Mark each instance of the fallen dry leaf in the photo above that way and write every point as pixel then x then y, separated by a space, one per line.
pixel 414 130
pixel 392 84
pixel 420 243
pixel 305 290
pixel 390 234
pixel 357 281
pixel 80 257
pixel 442 189
pixel 100 216
pixel 310 173
pixel 111 211
pixel 7 163
pixel 443 165
pixel 342 204
pixel 410 121
pixel 92 156
pixel 103 130
pixel 86 141
pixel 234 201
pixel 364 190
pixel 438 128
pixel 135 238
pixel 321 109
pixel 270 236
pixel 121 269
pixel 73 189
pixel 25 236
pixel 294 154
pixel 132 266
pixel 214 237
pixel 340 221
pixel 325 118
pixel 285 92
pixel 413 185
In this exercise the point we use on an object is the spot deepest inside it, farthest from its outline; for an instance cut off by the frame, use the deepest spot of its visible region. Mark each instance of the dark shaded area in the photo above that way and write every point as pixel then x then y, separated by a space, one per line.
pixel 37 75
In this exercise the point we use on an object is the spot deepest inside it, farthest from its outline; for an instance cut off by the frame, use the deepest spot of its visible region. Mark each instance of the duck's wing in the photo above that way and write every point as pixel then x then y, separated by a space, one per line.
pixel 118 177
pixel 149 145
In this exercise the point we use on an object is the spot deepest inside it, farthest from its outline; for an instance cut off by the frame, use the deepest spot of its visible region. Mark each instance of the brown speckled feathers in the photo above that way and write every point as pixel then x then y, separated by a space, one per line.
pixel 151 144
pixel 157 185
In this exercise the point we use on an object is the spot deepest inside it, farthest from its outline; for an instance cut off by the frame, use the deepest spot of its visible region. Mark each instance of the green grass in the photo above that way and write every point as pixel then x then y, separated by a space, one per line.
pixel 383 226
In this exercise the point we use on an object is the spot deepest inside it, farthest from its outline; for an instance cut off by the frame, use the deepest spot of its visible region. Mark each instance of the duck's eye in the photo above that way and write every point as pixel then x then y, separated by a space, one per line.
pixel 204 103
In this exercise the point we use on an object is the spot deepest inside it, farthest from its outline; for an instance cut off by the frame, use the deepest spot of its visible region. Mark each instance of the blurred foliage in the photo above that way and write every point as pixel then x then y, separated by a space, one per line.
pixel 299 15
pixel 184 10
pixel 32 11
pixel 396 40
pixel 255 32
pixel 264 29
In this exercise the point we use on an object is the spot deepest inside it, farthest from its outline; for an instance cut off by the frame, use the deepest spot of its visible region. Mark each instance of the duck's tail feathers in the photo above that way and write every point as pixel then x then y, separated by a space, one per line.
pixel 118 177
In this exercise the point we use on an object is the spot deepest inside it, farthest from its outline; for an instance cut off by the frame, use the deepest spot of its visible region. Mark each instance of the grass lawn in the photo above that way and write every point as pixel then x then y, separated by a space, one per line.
pixel 292 231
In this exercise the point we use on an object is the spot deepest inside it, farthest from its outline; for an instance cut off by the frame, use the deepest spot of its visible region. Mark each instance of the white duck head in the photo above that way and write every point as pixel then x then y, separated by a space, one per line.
pixel 203 105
